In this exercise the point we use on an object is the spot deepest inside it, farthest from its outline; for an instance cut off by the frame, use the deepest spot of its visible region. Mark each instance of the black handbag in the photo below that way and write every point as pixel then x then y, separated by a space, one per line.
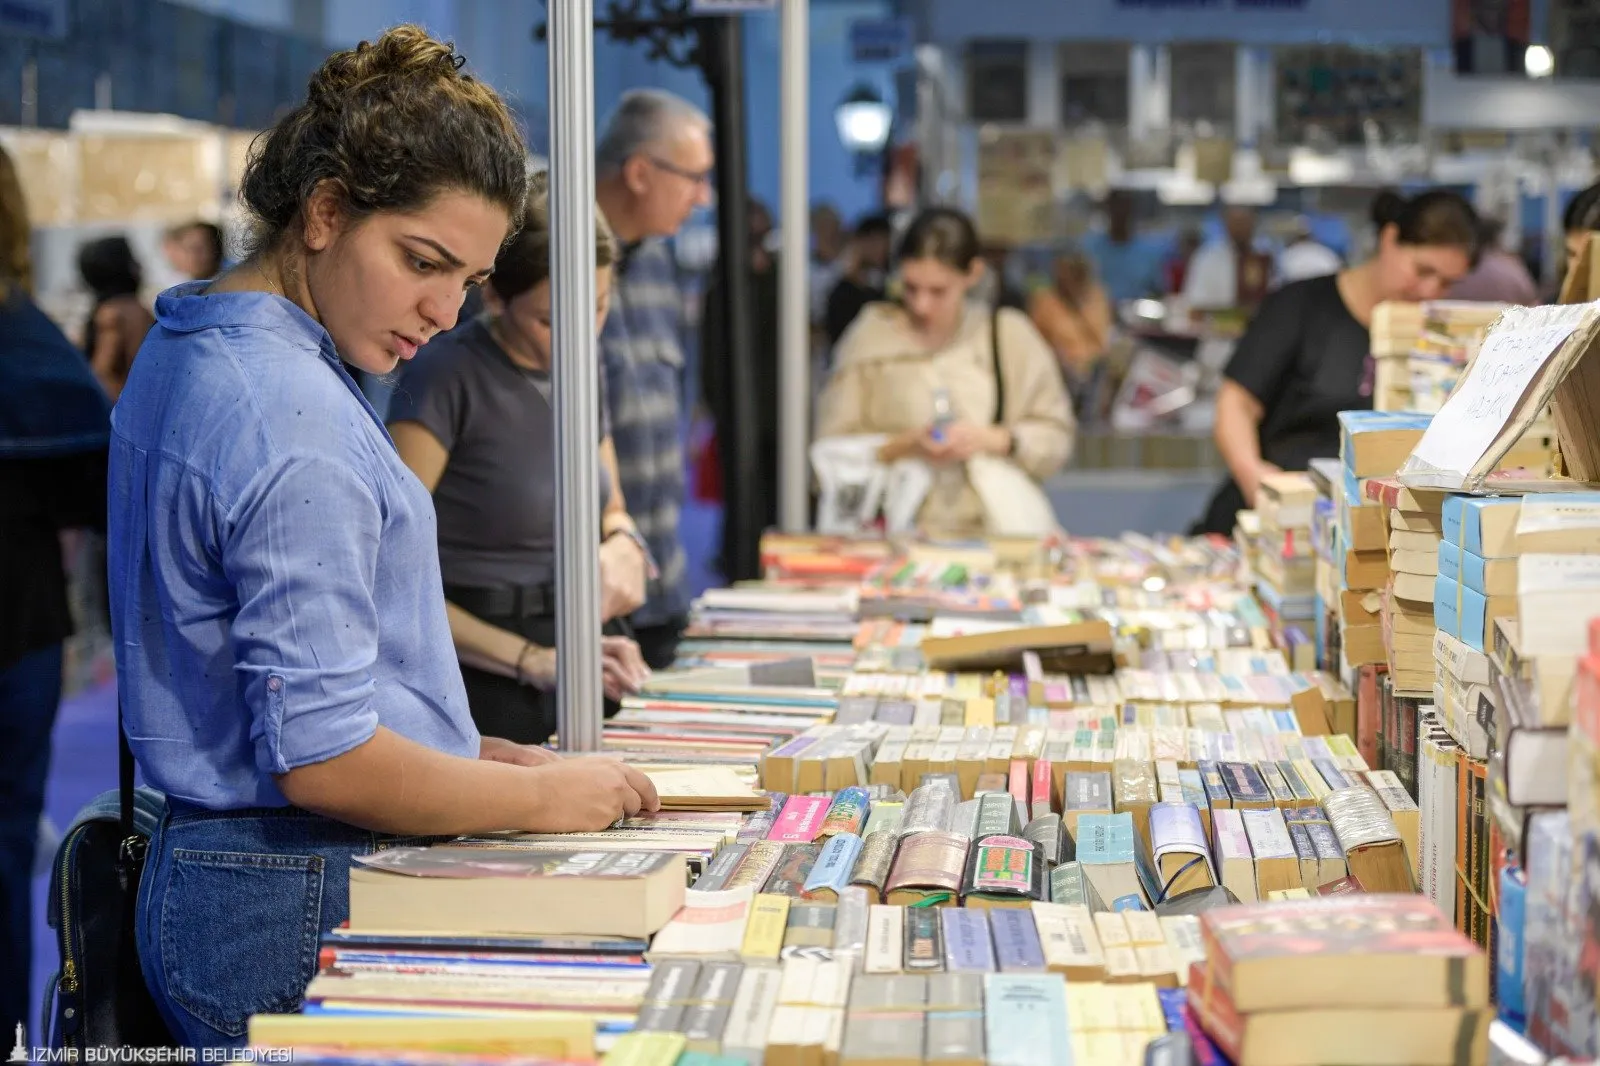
pixel 100 997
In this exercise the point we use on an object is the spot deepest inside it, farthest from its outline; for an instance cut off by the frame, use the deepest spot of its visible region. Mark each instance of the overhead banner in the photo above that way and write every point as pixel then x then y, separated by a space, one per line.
pixel 1362 23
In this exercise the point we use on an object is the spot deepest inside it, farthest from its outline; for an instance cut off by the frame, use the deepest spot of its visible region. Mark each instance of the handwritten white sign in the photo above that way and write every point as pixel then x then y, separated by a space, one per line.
pixel 1481 406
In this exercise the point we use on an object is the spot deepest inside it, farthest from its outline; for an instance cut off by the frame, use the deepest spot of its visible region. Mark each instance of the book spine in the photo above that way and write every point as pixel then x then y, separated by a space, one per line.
pixel 873 864
pixel 789 879
pixel 924 950
pixel 1016 941
pixel 758 865
pixel 721 867
pixel 885 939
pixel 846 814
pixel 800 820
pixel 834 865
pixel 763 931
pixel 967 946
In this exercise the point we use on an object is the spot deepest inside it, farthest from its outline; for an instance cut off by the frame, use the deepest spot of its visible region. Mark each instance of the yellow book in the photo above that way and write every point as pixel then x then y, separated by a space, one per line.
pixel 1313 780
pixel 552 1034
pixel 980 711
pixel 1287 893
pixel 646 1049
pixel 763 931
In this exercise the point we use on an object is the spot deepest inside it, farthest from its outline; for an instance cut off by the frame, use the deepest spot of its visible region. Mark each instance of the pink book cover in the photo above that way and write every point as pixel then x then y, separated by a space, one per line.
pixel 800 820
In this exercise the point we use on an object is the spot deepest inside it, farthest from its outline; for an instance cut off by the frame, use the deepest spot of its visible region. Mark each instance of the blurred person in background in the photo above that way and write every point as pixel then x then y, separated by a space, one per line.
pixel 466 402
pixel 1073 315
pixel 1580 219
pixel 1304 256
pixel 119 321
pixel 827 247
pixel 1128 264
pixel 653 168
pixel 194 250
pixel 1229 272
pixel 716 377
pixel 55 424
pixel 1500 276
pixel 1176 269
pixel 1306 355
pixel 898 361
pixel 865 277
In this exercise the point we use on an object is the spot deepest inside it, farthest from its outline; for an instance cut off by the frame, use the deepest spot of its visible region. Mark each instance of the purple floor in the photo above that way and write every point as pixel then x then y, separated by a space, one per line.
pixel 83 761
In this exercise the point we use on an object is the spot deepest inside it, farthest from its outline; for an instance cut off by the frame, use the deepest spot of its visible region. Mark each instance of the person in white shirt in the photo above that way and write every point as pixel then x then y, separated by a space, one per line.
pixel 1306 257
pixel 1230 272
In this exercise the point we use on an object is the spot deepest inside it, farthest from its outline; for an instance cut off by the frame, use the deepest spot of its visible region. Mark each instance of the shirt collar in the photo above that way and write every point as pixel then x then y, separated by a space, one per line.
pixel 188 307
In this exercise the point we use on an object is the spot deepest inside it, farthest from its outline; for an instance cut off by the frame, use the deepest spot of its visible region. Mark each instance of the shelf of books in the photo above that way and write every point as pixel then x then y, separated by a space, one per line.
pixel 1328 792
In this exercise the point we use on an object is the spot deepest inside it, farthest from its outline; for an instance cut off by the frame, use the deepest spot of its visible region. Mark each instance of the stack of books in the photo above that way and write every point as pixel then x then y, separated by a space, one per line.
pixel 1421 349
pixel 1415 525
pixel 1285 575
pixel 1365 978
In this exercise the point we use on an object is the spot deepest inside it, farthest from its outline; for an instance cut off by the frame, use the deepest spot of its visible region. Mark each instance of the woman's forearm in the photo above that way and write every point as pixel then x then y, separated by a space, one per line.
pixel 1237 435
pixel 490 648
pixel 390 784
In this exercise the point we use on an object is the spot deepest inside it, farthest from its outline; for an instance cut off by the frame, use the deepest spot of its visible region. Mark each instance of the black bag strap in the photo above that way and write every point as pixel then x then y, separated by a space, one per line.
pixel 124 774
pixel 999 377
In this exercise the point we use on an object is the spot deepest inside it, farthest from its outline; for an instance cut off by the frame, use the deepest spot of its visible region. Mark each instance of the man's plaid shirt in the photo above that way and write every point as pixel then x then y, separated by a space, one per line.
pixel 641 352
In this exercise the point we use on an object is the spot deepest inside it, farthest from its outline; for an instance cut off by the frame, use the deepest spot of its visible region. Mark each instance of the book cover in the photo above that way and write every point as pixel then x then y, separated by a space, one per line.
pixel 789 879
pixel 800 820
pixel 1003 871
pixel 924 941
pixel 1397 950
pixel 1025 1019
pixel 967 944
pixel 846 814
pixel 1016 941
pixel 757 866
pixel 834 867
pixel 929 866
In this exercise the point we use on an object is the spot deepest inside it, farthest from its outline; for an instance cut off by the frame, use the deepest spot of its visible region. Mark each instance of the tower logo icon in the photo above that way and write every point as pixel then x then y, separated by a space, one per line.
pixel 19 1050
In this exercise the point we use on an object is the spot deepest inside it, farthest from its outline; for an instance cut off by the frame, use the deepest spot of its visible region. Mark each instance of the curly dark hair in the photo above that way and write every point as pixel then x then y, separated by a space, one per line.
pixel 391 123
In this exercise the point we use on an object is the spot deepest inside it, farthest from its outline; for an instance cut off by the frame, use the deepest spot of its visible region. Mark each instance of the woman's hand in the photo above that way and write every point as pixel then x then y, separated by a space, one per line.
pixel 537 667
pixel 587 794
pixel 963 440
pixel 623 668
pixel 498 749
pixel 623 572
pixel 1262 471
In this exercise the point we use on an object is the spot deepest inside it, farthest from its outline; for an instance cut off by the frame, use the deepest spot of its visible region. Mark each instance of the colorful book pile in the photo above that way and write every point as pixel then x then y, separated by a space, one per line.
pixel 1284 556
pixel 1420 350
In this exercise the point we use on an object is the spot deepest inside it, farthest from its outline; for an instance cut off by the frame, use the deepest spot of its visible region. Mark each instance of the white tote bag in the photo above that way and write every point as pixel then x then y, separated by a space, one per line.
pixel 1013 503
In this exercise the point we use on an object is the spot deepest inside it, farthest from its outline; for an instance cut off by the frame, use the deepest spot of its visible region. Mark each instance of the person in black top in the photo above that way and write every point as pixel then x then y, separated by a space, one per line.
pixel 1581 218
pixel 866 265
pixel 1307 354
pixel 55 426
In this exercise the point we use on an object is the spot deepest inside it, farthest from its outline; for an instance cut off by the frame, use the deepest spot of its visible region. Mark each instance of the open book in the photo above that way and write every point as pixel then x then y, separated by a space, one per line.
pixel 1531 358
pixel 705 788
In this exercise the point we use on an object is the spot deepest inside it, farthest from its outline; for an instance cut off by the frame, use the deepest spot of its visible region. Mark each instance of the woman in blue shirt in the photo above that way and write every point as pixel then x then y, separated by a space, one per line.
pixel 282 647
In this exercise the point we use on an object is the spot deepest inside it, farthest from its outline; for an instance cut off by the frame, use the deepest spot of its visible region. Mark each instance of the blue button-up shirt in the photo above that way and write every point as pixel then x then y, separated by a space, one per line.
pixel 274 571
pixel 641 351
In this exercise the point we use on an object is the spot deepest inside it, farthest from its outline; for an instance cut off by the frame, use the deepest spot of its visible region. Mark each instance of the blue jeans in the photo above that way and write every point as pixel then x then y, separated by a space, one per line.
pixel 232 906
pixel 30 691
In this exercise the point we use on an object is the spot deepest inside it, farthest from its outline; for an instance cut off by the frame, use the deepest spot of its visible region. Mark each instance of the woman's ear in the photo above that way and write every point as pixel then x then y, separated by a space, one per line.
pixel 323 215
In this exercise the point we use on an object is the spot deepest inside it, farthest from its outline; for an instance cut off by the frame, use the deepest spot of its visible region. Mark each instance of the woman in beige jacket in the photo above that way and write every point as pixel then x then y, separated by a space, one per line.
pixel 896 361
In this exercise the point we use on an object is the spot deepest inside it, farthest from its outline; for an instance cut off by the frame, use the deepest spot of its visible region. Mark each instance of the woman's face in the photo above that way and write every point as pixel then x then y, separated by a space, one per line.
pixel 934 292
pixel 528 315
pixel 1417 272
pixel 386 285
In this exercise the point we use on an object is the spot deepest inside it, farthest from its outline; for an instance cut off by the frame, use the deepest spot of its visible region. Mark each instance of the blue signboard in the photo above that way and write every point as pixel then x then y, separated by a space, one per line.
pixel 1369 23
pixel 730 7
pixel 881 40
pixel 34 18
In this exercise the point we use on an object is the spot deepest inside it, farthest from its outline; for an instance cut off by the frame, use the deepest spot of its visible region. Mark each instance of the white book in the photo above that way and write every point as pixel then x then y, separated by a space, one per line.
pixel 885 939
pixel 708 925
pixel 1436 784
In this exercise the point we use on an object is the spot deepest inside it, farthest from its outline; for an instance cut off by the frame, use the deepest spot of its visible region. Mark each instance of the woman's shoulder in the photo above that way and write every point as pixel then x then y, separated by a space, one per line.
pixel 877 332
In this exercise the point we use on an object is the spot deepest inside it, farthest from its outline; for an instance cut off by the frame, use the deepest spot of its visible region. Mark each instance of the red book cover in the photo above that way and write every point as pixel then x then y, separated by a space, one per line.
pixel 1352 925
pixel 1367 713
pixel 1018 784
pixel 1044 785
pixel 1345 886
pixel 1216 1014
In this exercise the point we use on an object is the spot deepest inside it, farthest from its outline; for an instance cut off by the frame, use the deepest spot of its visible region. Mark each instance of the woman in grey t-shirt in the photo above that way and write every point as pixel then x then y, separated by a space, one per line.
pixel 472 418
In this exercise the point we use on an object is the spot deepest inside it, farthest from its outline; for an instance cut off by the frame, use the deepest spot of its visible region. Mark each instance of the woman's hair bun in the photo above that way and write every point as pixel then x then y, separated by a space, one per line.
pixel 403 52
pixel 390 123
pixel 1388 208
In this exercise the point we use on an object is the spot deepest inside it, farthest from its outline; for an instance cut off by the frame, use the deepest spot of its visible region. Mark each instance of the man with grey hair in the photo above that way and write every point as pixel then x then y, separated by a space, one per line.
pixel 652 170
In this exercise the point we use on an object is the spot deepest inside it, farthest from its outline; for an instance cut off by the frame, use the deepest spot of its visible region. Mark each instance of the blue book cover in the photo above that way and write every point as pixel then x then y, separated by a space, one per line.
pixel 1172 1001
pixel 1025 1020
pixel 1508 955
pixel 1472 520
pixel 1447 605
pixel 834 865
pixel 1472 620
pixel 1449 559
pixel 1016 940
pixel 1105 839
pixel 967 948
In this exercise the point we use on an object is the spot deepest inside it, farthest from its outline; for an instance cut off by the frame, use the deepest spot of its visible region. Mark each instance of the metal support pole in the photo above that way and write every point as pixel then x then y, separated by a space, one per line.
pixel 794 312
pixel 740 441
pixel 575 380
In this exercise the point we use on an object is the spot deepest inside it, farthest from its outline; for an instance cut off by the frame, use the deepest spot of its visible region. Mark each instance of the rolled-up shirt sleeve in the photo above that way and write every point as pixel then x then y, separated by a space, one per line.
pixel 300 548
